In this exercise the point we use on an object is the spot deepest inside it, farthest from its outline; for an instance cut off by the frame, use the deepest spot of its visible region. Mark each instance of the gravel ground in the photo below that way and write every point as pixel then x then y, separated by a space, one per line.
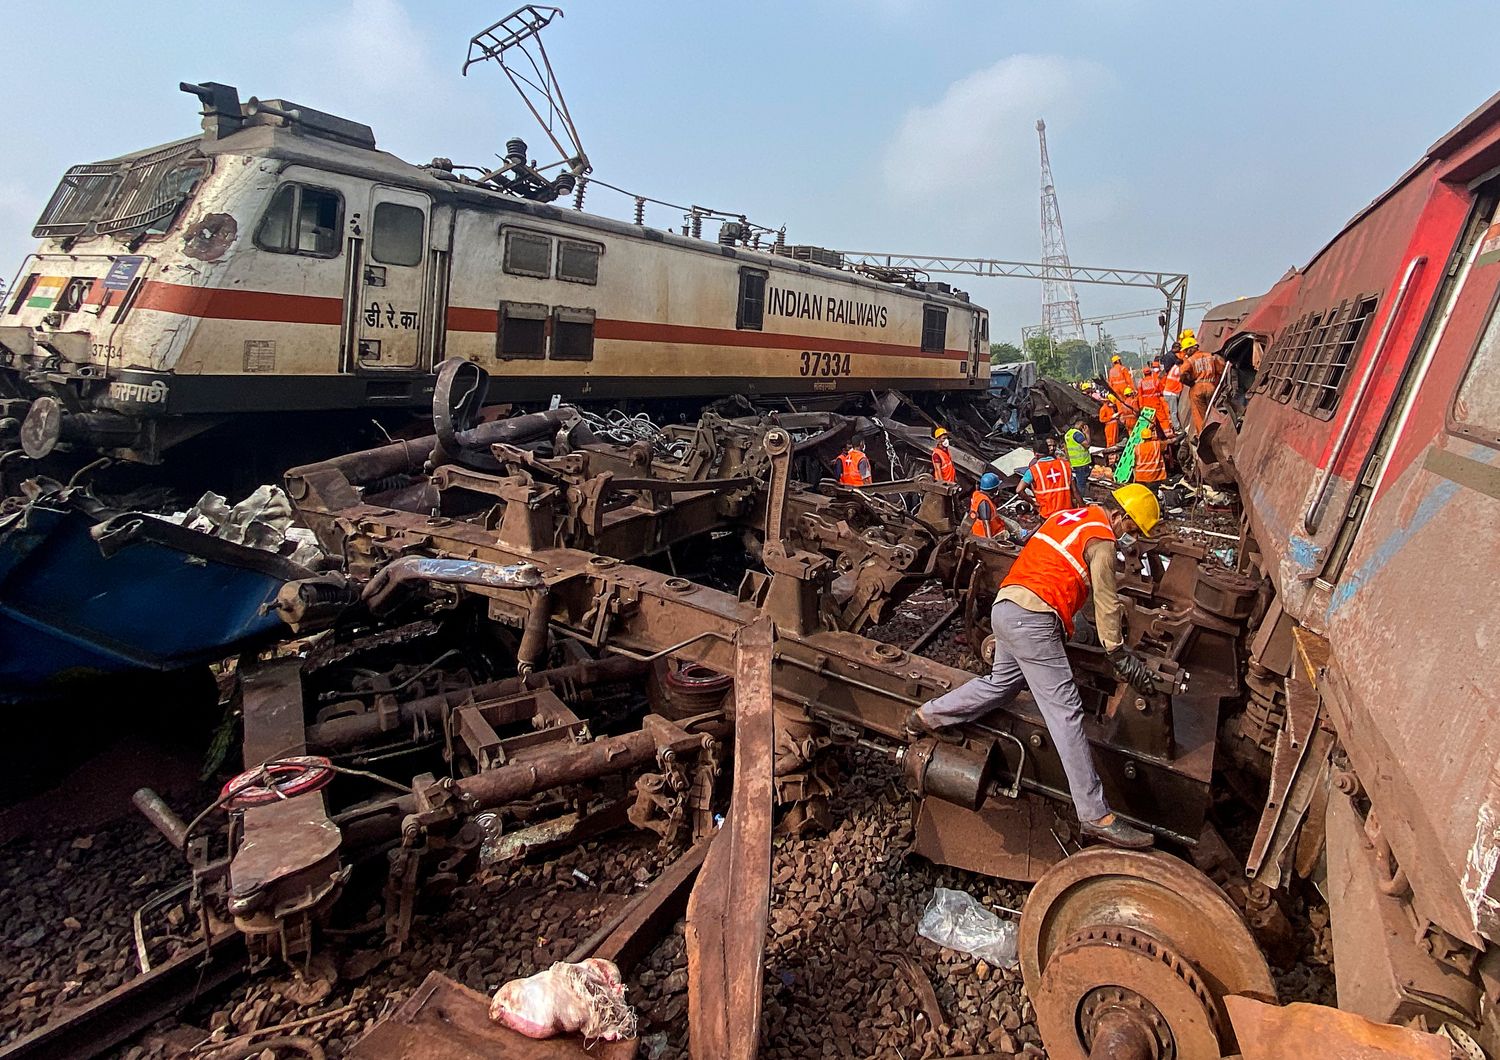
pixel 69 901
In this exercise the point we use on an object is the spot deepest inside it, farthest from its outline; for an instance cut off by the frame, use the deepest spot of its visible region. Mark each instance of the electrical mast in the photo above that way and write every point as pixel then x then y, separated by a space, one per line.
pixel 1060 317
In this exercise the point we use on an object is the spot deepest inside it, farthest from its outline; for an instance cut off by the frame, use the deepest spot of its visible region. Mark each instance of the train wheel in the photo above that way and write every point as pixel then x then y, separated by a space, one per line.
pixel 1128 954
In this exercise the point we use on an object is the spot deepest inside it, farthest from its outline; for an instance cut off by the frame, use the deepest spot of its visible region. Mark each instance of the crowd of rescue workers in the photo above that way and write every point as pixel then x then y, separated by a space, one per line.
pixel 1070 556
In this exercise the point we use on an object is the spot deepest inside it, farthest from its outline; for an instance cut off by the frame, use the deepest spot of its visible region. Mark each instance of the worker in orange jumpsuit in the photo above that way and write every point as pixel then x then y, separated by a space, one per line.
pixel 1109 415
pixel 942 460
pixel 983 511
pixel 1120 377
pixel 853 466
pixel 1130 411
pixel 1151 460
pixel 1201 373
pixel 1152 381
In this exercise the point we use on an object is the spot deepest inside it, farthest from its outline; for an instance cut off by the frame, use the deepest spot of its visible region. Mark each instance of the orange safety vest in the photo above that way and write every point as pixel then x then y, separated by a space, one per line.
pixel 1052 565
pixel 1150 461
pixel 1120 378
pixel 1150 383
pixel 1051 485
pixel 1173 384
pixel 854 468
pixel 942 465
pixel 983 526
pixel 1107 411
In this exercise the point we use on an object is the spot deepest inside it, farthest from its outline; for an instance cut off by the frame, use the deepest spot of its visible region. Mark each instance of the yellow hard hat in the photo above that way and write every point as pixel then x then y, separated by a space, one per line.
pixel 1115 359
pixel 1139 503
pixel 1188 333
pixel 1129 392
pixel 938 432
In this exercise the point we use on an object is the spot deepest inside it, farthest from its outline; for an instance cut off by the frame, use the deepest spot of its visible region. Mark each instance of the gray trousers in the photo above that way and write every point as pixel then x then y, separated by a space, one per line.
pixel 1029 654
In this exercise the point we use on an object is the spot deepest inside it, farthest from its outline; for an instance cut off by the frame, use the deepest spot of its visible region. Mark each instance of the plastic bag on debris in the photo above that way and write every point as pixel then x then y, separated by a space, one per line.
pixel 955 920
pixel 587 998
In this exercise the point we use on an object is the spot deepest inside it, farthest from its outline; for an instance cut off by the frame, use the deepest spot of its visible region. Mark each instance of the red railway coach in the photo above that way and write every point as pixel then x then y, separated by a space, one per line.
pixel 1368 460
pixel 279 262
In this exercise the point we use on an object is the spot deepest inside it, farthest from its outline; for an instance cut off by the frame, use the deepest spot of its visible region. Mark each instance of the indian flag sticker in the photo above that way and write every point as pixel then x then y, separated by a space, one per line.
pixel 46 291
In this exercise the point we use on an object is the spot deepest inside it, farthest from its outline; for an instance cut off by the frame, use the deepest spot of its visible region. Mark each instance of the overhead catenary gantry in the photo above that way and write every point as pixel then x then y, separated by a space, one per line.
pixel 1172 285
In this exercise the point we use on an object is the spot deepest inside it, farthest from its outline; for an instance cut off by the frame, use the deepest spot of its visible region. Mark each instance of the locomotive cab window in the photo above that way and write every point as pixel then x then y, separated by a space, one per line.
pixel 1476 408
pixel 523 331
pixel 396 234
pixel 751 314
pixel 302 220
pixel 934 329
pixel 578 262
pixel 528 254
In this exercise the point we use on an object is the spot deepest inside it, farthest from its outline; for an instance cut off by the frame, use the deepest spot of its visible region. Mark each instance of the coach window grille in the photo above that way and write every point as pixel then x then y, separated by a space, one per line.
pixel 528 254
pixel 301 220
pixel 572 334
pixel 396 234
pixel 934 329
pixel 523 331
pixel 1296 349
pixel 1324 387
pixel 751 314
pixel 578 262
pixel 1319 349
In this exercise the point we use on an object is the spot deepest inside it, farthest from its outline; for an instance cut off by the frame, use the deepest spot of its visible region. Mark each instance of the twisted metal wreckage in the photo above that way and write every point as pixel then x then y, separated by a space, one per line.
pixel 493 618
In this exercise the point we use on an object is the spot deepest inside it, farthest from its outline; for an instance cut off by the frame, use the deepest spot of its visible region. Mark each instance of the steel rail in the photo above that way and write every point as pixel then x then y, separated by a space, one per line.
pixel 113 1019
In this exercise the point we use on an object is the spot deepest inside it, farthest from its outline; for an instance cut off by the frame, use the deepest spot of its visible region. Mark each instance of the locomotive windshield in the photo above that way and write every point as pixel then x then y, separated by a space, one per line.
pixel 139 194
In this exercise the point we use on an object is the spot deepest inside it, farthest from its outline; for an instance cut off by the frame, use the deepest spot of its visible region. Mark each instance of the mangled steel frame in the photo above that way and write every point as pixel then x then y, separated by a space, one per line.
pixel 528 528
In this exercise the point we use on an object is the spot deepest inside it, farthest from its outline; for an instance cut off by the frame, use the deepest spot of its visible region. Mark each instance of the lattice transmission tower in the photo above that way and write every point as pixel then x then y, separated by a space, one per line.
pixel 1060 317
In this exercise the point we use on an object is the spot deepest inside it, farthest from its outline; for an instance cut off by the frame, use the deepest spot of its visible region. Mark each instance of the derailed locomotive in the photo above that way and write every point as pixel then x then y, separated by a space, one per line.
pixel 280 263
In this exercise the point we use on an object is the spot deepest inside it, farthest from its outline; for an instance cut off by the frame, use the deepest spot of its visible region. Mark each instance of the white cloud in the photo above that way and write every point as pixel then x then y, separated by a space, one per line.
pixel 982 132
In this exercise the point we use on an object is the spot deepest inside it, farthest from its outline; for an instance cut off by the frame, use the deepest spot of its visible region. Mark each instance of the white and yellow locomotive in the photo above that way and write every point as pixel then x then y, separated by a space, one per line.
pixel 280 262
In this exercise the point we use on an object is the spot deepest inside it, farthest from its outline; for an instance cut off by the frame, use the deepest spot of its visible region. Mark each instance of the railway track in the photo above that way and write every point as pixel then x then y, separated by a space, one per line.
pixel 115 1018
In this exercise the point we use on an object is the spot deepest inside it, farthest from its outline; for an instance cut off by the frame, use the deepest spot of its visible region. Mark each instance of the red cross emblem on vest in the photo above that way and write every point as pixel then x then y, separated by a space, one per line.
pixel 1074 516
pixel 1053 475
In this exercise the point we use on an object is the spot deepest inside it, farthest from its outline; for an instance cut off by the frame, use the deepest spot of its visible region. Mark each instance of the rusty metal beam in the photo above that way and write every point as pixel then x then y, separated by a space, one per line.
pixel 729 909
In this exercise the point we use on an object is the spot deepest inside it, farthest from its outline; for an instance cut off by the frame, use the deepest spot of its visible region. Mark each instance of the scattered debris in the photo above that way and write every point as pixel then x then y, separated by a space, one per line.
pixel 955 920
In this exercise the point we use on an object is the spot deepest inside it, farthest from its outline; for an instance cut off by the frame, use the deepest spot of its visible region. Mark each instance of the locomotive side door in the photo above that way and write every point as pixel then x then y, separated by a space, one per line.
pixel 391 317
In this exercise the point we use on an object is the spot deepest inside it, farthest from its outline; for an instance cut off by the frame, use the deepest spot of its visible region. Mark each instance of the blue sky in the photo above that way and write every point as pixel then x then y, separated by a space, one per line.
pixel 1228 141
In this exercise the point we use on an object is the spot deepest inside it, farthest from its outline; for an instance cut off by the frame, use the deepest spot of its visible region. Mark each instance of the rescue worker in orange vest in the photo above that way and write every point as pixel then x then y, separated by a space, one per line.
pixel 1171 384
pixel 854 466
pixel 1048 481
pixel 1152 380
pixel 1109 415
pixel 942 460
pixel 983 511
pixel 1071 554
pixel 1120 377
pixel 1201 373
pixel 1150 468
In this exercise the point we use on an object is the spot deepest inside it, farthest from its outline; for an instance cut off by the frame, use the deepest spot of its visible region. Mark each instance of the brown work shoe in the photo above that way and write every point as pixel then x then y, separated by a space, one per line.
pixel 919 728
pixel 1118 833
